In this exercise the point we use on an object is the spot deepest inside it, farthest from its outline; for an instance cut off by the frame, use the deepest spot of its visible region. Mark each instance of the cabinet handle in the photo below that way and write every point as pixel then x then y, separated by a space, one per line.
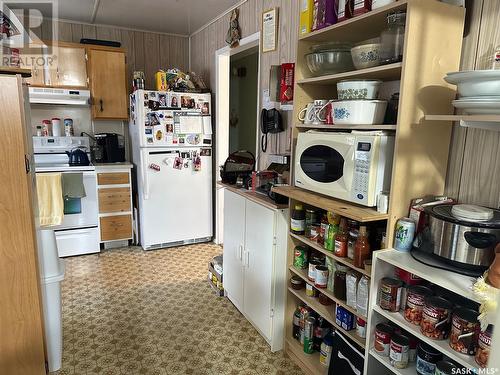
pixel 101 104
pixel 247 259
pixel 240 252
pixel 57 73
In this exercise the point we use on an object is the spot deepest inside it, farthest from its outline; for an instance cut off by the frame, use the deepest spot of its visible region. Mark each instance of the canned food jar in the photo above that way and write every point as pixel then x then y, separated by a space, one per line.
pixel 361 327
pixel 310 220
pixel 399 351
pixel 300 258
pixel 309 335
pixel 464 331
pixel 435 322
pixel 390 294
pixel 321 278
pixel 311 274
pixel 383 333
pixel 484 347
pixel 427 358
pixel 447 368
pixel 415 300
pixel 68 127
pixel 297 282
pixel 315 232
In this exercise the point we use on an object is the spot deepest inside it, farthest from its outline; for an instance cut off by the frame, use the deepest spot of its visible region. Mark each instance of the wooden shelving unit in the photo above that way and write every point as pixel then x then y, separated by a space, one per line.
pixel 421 149
pixel 346 209
pixel 311 361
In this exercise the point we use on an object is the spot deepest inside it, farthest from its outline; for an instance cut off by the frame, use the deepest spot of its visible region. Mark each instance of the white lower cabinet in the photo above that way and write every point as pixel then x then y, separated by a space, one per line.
pixel 255 263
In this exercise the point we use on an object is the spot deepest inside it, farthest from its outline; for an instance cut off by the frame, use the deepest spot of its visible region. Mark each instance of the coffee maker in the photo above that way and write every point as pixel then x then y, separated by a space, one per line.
pixel 109 148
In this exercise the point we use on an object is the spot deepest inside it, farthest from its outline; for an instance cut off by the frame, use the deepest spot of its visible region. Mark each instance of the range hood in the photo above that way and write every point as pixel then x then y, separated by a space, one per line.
pixel 45 95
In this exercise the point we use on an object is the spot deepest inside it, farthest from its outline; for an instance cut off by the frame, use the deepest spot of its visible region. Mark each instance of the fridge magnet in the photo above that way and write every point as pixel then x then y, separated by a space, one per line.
pixel 159 135
pixel 170 128
pixel 153 119
pixel 174 139
pixel 181 141
pixel 186 163
pixel 174 101
pixel 205 152
pixel 149 140
pixel 153 105
pixel 204 107
pixel 178 162
pixel 154 167
pixel 187 102
pixel 197 164
pixel 148 131
pixel 162 99
pixel 152 94
pixel 269 30
pixel 146 96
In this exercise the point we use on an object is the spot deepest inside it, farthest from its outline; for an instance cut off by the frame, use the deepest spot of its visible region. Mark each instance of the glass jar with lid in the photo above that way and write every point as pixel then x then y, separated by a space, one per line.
pixel 392 38
pixel 339 284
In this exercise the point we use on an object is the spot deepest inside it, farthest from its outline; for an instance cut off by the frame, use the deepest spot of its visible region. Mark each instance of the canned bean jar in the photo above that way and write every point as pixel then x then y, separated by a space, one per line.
pixel 311 274
pixel 390 294
pixel 484 347
pixel 415 300
pixel 464 331
pixel 427 358
pixel 399 351
pixel 383 333
pixel 435 322
pixel 321 278
pixel 300 257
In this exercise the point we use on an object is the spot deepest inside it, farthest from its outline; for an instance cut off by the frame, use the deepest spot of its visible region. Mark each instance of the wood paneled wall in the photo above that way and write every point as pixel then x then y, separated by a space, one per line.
pixel 474 164
pixel 146 51
pixel 206 42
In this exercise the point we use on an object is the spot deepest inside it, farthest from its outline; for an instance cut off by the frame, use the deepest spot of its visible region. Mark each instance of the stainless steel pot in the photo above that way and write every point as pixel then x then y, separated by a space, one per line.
pixel 463 241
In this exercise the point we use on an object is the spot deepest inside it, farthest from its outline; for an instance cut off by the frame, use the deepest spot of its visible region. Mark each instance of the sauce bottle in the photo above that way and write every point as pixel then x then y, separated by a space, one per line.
pixel 341 239
pixel 298 220
pixel 361 248
pixel 323 229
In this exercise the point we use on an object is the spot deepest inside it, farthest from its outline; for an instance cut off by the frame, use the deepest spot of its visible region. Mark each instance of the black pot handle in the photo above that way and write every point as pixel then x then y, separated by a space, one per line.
pixel 480 240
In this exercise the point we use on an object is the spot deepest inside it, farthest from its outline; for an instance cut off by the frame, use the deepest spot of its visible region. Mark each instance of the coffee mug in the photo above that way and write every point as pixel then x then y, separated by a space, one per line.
pixel 313 112
pixel 326 113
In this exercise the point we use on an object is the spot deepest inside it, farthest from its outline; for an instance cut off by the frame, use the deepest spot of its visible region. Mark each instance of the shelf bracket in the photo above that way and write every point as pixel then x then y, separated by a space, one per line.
pixel 485 125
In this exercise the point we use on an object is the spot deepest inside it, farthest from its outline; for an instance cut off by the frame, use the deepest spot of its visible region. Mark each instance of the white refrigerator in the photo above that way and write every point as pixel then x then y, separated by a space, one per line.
pixel 171 139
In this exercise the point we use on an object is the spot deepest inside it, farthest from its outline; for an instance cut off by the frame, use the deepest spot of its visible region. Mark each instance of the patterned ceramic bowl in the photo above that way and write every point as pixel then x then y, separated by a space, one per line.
pixel 359 112
pixel 366 55
pixel 358 89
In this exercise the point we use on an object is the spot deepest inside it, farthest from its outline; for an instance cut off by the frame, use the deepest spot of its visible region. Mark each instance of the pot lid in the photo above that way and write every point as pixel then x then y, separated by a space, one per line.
pixel 445 212
pixel 471 212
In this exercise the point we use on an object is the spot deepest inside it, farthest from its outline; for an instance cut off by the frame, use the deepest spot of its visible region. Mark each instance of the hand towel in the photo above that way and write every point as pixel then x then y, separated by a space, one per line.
pixel 72 185
pixel 50 198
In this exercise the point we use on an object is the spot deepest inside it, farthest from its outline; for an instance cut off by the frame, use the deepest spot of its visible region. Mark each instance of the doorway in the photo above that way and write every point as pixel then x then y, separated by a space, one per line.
pixel 229 136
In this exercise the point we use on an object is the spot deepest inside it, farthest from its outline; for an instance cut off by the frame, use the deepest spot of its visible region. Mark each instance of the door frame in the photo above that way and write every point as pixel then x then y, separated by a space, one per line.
pixel 222 85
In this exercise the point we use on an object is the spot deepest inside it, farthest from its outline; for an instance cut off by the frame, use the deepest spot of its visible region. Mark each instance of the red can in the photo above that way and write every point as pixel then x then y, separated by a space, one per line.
pixel 464 331
pixel 415 300
pixel 383 334
pixel 484 347
pixel 390 294
pixel 436 314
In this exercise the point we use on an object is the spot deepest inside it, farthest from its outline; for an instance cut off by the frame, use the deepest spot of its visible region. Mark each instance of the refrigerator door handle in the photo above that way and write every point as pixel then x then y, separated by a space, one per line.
pixel 145 176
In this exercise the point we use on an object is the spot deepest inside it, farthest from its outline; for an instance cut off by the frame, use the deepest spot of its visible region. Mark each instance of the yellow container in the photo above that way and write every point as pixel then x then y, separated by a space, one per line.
pixel 161 80
pixel 306 16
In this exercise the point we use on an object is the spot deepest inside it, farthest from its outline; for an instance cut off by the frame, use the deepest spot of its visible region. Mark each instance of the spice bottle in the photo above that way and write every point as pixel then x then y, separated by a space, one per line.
pixel 361 248
pixel 331 233
pixel 298 220
pixel 341 239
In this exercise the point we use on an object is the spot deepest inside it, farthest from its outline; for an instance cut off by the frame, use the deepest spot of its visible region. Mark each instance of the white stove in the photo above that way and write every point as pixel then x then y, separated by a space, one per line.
pixel 79 232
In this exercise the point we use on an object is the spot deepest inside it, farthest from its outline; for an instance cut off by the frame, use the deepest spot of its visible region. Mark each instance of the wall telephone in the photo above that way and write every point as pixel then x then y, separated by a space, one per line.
pixel 270 122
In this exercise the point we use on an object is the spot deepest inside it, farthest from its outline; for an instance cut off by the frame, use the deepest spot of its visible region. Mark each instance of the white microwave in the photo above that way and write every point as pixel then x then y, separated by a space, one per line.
pixel 355 166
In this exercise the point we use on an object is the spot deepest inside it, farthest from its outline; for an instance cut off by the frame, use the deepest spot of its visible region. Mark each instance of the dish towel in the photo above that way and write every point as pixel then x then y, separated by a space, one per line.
pixel 50 199
pixel 72 185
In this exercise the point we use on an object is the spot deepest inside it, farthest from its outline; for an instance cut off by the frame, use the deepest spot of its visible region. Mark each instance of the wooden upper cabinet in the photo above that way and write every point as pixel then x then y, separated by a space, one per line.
pixel 68 68
pixel 107 83
pixel 35 64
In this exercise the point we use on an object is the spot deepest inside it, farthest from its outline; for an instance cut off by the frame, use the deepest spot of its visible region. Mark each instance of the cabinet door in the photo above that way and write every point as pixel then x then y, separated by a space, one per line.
pixel 234 237
pixel 107 84
pixel 259 246
pixel 69 67
pixel 36 64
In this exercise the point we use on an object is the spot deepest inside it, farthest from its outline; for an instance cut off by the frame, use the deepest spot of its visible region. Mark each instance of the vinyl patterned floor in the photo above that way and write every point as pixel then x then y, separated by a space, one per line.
pixel 127 311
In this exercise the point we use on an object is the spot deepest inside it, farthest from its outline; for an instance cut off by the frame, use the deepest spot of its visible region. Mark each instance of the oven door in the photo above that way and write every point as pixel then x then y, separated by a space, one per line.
pixel 82 212
pixel 324 164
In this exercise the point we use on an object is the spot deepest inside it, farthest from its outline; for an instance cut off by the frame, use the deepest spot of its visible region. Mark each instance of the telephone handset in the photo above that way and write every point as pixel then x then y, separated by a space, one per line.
pixel 270 122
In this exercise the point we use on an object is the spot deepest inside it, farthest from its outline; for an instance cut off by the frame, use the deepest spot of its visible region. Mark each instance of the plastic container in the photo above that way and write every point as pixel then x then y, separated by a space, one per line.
pixel 48 257
pixel 56 127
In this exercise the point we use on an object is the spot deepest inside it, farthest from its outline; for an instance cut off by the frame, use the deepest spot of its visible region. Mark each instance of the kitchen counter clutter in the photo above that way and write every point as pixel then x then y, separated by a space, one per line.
pixel 435 311
pixel 254 196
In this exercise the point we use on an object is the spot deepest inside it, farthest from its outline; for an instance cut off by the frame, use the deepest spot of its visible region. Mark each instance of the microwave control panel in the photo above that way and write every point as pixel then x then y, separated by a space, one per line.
pixel 362 164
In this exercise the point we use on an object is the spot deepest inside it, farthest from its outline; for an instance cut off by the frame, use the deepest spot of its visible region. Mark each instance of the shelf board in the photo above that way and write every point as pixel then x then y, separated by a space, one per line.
pixel 390 72
pixel 410 370
pixel 311 361
pixel 347 127
pixel 459 284
pixel 15 70
pixel 346 209
pixel 441 345
pixel 326 312
pixel 303 275
pixel 472 118
pixel 316 246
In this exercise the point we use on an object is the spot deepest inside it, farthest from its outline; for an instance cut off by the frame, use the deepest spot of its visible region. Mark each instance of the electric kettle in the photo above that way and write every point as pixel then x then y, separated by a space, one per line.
pixel 78 156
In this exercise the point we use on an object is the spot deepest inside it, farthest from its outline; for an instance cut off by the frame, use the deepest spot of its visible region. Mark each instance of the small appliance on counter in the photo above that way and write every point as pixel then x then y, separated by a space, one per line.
pixel 109 148
pixel 459 238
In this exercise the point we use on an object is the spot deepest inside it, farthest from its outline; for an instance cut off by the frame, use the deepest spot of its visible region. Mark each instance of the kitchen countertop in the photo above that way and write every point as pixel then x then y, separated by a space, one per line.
pixel 255 197
pixel 121 165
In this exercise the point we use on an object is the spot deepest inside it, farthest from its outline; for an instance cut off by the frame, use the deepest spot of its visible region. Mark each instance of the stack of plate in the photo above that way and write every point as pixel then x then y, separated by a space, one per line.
pixel 479 91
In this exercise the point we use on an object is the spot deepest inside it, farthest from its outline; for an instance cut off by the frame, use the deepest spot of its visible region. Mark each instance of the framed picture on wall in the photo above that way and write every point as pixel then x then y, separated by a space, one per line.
pixel 269 30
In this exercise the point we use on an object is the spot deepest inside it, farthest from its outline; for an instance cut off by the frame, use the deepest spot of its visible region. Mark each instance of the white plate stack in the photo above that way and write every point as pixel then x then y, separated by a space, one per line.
pixel 478 90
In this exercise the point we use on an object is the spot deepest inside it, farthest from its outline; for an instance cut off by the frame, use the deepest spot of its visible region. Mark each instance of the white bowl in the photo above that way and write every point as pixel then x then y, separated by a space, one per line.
pixel 366 55
pixel 358 89
pixel 359 112
pixel 475 82
pixel 478 106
